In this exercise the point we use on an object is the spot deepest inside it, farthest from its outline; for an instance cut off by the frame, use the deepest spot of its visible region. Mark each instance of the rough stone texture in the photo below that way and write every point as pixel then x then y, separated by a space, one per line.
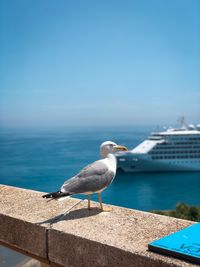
pixel 23 235
pixel 24 218
pixel 81 237
pixel 29 205
pixel 117 238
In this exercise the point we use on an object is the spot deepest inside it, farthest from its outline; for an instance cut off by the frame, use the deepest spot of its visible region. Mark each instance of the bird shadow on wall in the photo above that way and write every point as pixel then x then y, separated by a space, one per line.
pixel 72 215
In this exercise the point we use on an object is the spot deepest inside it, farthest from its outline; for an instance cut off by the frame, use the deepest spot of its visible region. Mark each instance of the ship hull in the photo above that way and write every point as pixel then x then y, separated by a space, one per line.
pixel 142 163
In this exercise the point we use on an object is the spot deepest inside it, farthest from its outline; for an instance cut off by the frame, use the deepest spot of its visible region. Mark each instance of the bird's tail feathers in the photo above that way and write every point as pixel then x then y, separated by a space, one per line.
pixel 56 195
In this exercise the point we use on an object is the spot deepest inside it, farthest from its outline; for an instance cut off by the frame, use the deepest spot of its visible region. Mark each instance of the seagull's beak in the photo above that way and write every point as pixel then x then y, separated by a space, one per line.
pixel 120 148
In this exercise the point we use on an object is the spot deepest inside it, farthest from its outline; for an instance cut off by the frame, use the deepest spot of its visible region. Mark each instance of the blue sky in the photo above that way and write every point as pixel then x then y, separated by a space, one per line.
pixel 99 62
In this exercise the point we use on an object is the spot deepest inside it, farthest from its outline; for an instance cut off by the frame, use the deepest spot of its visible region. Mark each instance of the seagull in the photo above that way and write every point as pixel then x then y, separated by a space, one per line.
pixel 93 178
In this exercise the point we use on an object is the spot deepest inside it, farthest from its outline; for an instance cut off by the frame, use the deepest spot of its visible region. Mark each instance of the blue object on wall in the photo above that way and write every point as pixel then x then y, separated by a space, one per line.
pixel 184 244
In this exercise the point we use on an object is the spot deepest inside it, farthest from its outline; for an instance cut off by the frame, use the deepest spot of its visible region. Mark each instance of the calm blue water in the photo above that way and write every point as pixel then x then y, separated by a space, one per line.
pixel 43 159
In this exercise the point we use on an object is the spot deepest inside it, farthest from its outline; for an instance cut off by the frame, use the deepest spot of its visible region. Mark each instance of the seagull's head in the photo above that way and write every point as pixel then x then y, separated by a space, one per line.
pixel 110 147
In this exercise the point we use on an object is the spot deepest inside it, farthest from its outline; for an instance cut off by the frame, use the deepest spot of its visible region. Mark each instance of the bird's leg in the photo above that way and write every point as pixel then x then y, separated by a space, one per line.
pixel 101 204
pixel 100 201
pixel 89 201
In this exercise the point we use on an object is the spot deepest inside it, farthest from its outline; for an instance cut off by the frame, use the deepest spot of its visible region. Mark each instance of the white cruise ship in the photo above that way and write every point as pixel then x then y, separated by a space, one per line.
pixel 169 150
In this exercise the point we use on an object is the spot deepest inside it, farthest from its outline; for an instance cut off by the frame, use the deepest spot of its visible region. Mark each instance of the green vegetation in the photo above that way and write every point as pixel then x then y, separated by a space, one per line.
pixel 182 211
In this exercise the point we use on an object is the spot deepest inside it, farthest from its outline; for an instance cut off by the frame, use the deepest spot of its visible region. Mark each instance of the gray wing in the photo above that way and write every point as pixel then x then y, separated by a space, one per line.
pixel 92 178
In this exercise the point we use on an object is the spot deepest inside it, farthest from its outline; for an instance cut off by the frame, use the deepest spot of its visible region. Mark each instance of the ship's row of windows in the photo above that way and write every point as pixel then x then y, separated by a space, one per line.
pixel 185 143
pixel 183 138
pixel 174 162
pixel 176 147
pixel 179 143
pixel 175 152
pixel 178 137
pixel 177 157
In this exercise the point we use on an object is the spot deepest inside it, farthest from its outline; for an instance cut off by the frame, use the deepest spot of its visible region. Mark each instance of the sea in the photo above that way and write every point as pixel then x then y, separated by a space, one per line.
pixel 42 159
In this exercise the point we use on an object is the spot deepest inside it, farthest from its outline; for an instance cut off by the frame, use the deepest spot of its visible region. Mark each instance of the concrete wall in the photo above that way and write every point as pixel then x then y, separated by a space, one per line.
pixel 81 237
